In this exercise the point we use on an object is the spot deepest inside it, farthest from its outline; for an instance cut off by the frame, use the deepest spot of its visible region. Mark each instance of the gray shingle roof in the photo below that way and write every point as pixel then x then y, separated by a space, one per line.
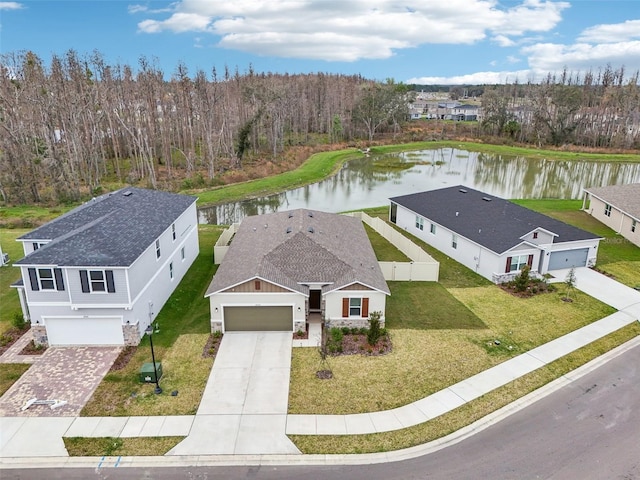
pixel 109 231
pixel 623 197
pixel 496 224
pixel 300 246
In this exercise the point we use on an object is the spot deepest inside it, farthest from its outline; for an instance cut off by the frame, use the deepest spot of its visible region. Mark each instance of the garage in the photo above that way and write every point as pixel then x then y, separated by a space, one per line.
pixel 568 259
pixel 84 331
pixel 258 319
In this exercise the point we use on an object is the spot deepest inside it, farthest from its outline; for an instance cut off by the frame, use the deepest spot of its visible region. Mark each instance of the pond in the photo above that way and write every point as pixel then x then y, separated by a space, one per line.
pixel 370 181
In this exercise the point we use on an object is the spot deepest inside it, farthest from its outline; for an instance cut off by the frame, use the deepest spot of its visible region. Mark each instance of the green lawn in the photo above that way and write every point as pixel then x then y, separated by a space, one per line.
pixel 385 251
pixel 9 301
pixel 184 330
pixel 112 446
pixel 9 373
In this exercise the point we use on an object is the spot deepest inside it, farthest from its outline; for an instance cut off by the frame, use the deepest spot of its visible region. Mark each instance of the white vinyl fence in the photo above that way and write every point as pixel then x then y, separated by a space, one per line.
pixel 423 267
pixel 222 245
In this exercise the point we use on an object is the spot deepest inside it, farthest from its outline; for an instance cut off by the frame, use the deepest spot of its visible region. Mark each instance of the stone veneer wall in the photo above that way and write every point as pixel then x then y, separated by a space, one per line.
pixel 351 322
pixel 216 327
pixel 299 326
pixel 39 333
pixel 131 335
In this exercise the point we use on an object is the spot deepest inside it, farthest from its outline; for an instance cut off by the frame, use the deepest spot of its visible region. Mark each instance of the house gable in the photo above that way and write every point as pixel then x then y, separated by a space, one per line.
pixel 256 285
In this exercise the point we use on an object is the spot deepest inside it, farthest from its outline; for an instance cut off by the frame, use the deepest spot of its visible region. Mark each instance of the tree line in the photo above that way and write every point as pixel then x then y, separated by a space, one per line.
pixel 76 124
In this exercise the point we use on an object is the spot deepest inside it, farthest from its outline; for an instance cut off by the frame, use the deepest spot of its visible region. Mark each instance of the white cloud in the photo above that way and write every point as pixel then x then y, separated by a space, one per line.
pixel 503 41
pixel 350 30
pixel 11 6
pixel 477 78
pixel 616 32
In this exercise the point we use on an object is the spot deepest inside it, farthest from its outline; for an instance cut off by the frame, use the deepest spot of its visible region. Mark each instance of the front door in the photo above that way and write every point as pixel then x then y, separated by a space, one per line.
pixel 314 300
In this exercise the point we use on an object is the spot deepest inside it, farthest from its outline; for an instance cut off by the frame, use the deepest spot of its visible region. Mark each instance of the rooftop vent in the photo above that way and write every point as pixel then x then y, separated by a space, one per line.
pixel 290 214
pixel 310 230
pixel 462 190
pixel 288 229
pixel 128 193
pixel 486 199
pixel 311 214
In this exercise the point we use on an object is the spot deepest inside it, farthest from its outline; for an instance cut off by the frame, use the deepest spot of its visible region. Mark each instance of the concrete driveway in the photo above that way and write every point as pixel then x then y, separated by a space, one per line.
pixel 70 374
pixel 244 405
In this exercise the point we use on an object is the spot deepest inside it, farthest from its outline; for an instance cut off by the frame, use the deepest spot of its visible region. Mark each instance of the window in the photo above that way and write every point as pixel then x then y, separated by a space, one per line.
pixel 432 228
pixel 419 223
pixel 535 235
pixel 157 248
pixel 515 264
pixel 633 225
pixel 257 285
pixel 355 307
pixel 171 270
pixel 454 240
pixel 182 253
pixel 173 231
pixel 97 281
pixel 607 210
pixel 46 279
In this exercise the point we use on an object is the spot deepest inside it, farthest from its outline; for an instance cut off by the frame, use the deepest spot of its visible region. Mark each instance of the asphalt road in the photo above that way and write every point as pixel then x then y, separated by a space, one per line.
pixel 589 429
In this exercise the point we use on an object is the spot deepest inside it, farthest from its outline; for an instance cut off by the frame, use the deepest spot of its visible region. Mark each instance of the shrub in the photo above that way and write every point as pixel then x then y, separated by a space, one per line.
pixel 521 282
pixel 346 330
pixel 19 322
pixel 374 333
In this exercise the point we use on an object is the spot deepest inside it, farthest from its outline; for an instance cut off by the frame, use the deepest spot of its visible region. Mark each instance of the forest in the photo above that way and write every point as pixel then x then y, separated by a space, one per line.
pixel 76 125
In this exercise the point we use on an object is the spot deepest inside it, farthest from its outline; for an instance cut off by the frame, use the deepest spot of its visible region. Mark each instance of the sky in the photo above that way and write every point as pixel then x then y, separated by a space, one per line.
pixel 411 41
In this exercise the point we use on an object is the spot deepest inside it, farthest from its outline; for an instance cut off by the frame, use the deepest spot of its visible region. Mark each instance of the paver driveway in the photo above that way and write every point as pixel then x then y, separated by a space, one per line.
pixel 62 373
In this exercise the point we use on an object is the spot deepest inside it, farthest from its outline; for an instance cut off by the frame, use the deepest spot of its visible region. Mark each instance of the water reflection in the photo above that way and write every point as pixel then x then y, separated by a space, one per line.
pixel 369 182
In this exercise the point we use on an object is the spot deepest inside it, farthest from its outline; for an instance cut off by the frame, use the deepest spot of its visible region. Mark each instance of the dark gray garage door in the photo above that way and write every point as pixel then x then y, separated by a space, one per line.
pixel 258 319
pixel 568 259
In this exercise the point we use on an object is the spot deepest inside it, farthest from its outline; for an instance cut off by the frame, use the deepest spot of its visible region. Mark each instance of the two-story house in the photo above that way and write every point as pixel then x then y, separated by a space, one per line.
pixel 99 274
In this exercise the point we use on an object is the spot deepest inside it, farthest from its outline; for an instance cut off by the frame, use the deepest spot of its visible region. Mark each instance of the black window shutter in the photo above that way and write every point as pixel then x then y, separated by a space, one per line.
pixel 33 277
pixel 110 285
pixel 84 281
pixel 59 280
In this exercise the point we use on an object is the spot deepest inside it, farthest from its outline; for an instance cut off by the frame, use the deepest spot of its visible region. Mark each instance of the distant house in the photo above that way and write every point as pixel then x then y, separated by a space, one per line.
pixel 465 113
pixel 618 207
pixel 283 267
pixel 492 236
pixel 99 274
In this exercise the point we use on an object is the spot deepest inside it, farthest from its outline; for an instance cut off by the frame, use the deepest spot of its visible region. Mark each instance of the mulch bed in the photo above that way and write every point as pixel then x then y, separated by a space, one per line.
pixel 33 349
pixel 356 344
pixel 11 336
pixel 299 335
pixel 211 347
pixel 123 359
pixel 534 288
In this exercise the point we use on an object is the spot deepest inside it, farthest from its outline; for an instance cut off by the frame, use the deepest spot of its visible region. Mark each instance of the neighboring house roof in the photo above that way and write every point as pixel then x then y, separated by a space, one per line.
pixel 109 231
pixel 623 197
pixel 492 222
pixel 296 247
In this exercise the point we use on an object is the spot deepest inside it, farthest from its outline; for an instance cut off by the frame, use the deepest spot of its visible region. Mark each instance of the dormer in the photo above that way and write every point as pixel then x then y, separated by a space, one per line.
pixel 539 236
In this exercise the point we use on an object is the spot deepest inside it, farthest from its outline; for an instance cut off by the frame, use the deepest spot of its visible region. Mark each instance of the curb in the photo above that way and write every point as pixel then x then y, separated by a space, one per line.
pixel 329 459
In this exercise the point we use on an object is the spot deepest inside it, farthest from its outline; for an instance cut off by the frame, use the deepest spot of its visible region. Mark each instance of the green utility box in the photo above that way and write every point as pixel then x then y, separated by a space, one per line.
pixel 147 375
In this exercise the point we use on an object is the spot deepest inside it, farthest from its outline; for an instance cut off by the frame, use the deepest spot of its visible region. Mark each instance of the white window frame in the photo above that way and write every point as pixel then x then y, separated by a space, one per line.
pixel 607 210
pixel 97 281
pixel 41 279
pixel 173 231
pixel 419 222
pixel 158 253
pixel 518 262
pixel 432 228
pixel 353 308
pixel 171 270
pixel 182 255
pixel 634 223
pixel 454 241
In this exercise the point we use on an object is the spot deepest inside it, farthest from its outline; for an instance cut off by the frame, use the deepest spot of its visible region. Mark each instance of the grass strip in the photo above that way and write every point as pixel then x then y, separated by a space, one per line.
pixel 10 373
pixel 113 446
pixel 468 413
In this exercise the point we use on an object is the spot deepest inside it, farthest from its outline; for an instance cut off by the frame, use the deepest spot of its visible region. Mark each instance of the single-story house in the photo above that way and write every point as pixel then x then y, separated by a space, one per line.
pixel 284 266
pixel 99 274
pixel 618 207
pixel 492 236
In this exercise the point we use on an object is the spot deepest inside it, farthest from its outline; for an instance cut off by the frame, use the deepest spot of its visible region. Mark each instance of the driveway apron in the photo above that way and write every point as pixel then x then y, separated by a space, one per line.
pixel 244 405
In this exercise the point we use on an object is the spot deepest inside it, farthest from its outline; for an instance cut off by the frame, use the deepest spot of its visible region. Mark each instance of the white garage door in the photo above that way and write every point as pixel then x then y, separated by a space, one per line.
pixel 84 331
pixel 568 259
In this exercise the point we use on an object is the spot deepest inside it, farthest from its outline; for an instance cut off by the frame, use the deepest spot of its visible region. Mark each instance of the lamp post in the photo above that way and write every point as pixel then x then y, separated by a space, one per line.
pixel 149 331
